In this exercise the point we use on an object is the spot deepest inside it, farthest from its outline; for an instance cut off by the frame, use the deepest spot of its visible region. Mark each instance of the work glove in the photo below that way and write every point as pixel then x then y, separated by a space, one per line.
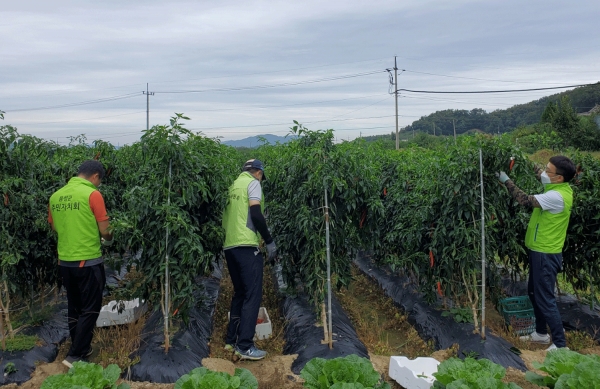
pixel 502 177
pixel 271 250
pixel 107 243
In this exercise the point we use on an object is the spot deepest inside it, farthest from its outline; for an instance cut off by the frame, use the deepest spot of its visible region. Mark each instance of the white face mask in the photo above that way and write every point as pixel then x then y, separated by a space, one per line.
pixel 545 178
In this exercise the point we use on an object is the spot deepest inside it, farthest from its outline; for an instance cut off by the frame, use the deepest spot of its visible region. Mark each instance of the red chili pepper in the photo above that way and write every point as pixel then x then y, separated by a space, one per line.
pixel 362 218
pixel 431 260
pixel 6 199
pixel 512 163
pixel 385 191
pixel 493 217
pixel 97 156
pixel 439 289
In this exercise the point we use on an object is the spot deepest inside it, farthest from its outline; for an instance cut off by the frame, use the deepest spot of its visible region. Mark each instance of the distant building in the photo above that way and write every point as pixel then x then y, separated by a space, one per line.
pixel 593 111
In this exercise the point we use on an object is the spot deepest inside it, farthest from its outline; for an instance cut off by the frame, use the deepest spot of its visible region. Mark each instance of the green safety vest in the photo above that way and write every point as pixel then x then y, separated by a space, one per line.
pixel 236 218
pixel 546 232
pixel 75 222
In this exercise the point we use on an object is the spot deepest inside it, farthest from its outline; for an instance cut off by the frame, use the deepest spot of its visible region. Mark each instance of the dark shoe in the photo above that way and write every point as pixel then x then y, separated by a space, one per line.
pixel 89 352
pixel 252 353
pixel 69 361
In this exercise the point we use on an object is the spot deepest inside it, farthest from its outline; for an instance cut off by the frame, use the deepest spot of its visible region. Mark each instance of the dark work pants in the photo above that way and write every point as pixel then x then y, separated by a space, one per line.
pixel 543 269
pixel 84 287
pixel 245 266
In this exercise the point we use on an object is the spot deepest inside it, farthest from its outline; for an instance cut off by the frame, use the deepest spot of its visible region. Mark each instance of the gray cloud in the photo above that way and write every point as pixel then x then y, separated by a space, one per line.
pixel 63 52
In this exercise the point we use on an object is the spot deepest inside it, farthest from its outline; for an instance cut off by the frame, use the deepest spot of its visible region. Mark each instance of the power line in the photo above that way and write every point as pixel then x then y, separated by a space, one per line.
pixel 103 100
pixel 287 123
pixel 287 130
pixel 457 101
pixel 276 85
pixel 73 90
pixel 495 91
pixel 359 109
pixel 82 120
pixel 284 105
pixel 471 78
pixel 269 72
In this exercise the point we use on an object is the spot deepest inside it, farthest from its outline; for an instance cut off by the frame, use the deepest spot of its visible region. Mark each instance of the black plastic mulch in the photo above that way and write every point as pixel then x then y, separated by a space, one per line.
pixel 430 324
pixel 51 332
pixel 303 336
pixel 189 345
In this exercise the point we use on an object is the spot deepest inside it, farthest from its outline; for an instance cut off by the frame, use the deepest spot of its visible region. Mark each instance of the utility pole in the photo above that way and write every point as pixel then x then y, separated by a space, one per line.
pixel 454 127
pixel 148 94
pixel 396 93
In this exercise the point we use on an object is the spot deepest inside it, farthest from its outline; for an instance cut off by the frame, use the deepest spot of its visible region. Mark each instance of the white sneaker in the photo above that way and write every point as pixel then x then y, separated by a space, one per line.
pixel 553 347
pixel 536 338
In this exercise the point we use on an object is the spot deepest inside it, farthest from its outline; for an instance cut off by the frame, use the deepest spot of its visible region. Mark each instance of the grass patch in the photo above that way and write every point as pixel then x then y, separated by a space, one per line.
pixel 584 296
pixel 21 342
pixel 595 154
pixel 117 343
pixel 579 340
pixel 378 322
pixel 542 156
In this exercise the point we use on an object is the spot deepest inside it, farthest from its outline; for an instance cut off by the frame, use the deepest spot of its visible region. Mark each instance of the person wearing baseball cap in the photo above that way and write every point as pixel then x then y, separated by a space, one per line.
pixel 255 164
pixel 245 224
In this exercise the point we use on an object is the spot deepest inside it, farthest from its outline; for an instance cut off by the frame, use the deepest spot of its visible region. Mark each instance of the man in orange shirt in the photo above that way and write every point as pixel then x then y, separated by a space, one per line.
pixel 78 214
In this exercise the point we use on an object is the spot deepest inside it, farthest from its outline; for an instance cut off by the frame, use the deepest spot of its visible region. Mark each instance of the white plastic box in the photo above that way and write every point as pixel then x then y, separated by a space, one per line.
pixel 264 329
pixel 110 316
pixel 413 373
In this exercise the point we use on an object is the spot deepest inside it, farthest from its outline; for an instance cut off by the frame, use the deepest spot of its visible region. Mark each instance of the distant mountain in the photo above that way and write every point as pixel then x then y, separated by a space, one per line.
pixel 254 141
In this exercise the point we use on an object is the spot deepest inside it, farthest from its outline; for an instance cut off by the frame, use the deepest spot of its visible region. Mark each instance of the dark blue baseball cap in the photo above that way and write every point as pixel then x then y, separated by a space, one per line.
pixel 255 164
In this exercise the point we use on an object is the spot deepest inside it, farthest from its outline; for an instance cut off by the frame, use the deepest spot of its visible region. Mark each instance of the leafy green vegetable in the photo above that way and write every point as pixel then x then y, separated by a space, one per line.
pixel 460 315
pixel 471 374
pixel 584 375
pixel 350 372
pixel 85 375
pixel 567 369
pixel 202 378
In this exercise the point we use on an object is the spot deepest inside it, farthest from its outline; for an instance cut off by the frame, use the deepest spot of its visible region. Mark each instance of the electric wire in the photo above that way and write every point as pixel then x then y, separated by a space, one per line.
pixel 81 120
pixel 284 105
pixel 495 91
pixel 96 101
pixel 269 72
pixel 237 89
pixel 474 78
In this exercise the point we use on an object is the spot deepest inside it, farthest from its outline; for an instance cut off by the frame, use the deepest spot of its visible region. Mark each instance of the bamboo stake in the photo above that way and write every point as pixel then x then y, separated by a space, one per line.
pixel 324 321
pixel 482 247
pixel 328 270
pixel 2 329
pixel 166 304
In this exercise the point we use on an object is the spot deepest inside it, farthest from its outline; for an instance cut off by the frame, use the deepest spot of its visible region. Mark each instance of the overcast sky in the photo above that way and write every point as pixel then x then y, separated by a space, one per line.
pixel 242 68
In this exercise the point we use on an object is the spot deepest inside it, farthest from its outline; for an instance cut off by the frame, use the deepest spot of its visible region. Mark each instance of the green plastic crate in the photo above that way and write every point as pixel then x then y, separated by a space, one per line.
pixel 518 314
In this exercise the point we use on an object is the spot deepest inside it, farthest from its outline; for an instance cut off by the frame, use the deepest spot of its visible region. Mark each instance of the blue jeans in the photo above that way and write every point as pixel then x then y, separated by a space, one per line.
pixel 245 266
pixel 543 269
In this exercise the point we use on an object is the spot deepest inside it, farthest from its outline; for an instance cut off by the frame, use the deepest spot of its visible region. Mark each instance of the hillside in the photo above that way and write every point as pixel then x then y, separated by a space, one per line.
pixel 503 120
